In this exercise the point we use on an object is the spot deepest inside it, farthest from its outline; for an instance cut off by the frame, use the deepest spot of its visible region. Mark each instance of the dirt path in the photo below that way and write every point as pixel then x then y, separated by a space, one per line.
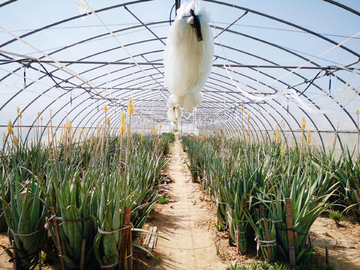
pixel 191 245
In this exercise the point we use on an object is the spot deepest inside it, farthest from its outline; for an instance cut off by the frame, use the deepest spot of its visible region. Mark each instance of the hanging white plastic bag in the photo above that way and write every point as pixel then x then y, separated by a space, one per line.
pixel 188 55
pixel 174 114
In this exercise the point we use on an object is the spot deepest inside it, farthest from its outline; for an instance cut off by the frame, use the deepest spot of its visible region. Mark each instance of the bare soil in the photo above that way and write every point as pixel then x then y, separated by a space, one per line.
pixel 187 221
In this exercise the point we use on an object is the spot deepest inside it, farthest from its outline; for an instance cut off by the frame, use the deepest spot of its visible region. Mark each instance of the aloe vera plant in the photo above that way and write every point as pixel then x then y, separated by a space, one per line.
pixel 263 174
pixel 72 203
pixel 347 172
pixel 25 216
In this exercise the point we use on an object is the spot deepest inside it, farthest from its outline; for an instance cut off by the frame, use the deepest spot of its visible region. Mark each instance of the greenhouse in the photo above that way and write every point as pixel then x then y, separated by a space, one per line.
pixel 197 134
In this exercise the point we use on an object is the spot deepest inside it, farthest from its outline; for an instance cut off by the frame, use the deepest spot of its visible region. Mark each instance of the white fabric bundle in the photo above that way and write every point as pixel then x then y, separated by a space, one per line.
pixel 174 114
pixel 187 60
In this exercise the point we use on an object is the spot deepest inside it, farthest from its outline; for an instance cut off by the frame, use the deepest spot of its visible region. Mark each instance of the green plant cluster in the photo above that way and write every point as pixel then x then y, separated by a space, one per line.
pixel 276 266
pixel 167 139
pixel 250 183
pixel 89 185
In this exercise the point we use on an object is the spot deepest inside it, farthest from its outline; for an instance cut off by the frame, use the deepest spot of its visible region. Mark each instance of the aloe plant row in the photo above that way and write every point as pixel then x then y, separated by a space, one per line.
pixel 243 177
pixel 87 184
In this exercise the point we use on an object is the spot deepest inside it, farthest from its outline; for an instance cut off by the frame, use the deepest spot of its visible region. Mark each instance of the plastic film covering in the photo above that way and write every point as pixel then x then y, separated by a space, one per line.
pixel 277 61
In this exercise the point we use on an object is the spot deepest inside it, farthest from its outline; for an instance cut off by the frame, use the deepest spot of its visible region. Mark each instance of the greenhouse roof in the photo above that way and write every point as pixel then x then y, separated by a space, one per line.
pixel 278 60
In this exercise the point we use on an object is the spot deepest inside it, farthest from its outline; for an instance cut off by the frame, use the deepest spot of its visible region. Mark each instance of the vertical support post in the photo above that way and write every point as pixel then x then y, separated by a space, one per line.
pixel 177 6
pixel 290 232
pixel 268 186
pixel 129 247
pixel 82 258
pixel 39 258
pixel 357 195
pixel 267 237
pixel 326 256
pixel 257 210
pixel 57 237
pixel 14 255
pixel 238 239
pixel 125 239
pixel 204 181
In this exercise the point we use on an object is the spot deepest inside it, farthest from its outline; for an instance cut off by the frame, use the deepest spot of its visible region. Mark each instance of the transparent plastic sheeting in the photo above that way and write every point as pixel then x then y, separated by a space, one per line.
pixel 276 61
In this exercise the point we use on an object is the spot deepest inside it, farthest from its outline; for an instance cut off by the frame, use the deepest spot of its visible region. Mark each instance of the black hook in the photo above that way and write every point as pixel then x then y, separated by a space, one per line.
pixel 196 25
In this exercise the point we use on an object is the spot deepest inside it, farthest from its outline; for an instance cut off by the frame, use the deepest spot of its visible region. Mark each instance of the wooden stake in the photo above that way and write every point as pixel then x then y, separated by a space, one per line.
pixel 39 258
pixel 268 186
pixel 57 237
pixel 262 211
pixel 14 255
pixel 290 232
pixel 257 210
pixel 152 240
pixel 125 239
pixel 82 258
pixel 267 237
pixel 238 239
pixel 326 256
pixel 204 181
pixel 129 248
pixel 105 261
pixel 357 195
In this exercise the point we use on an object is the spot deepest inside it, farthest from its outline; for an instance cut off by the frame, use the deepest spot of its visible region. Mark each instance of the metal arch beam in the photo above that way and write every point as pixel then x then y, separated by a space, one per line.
pixel 52 71
pixel 258 128
pixel 291 115
pixel 230 125
pixel 285 120
pixel 257 118
pixel 66 104
pixel 297 91
pixel 300 109
pixel 6 3
pixel 134 43
pixel 316 86
pixel 72 18
pixel 343 6
pixel 266 60
pixel 344 109
pixel 155 63
pixel 109 50
pixel 124 4
pixel 228 118
pixel 284 22
pixel 107 33
pixel 274 119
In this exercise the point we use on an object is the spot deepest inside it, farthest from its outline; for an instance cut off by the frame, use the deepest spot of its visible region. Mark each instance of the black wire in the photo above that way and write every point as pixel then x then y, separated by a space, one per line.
pixel 171 12
pixel 311 82
pixel 49 75
pixel 27 256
